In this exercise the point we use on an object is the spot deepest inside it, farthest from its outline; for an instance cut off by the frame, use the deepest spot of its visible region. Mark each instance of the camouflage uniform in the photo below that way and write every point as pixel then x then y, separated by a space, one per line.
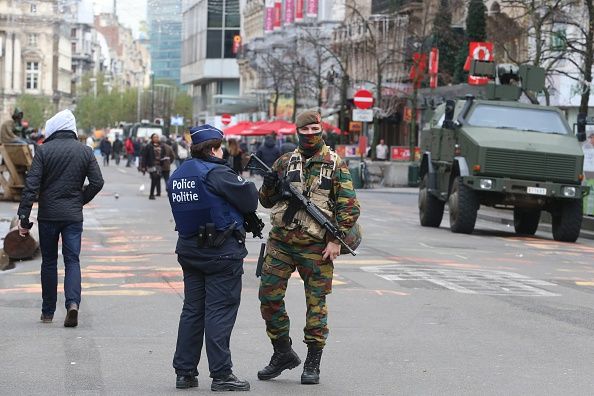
pixel 290 248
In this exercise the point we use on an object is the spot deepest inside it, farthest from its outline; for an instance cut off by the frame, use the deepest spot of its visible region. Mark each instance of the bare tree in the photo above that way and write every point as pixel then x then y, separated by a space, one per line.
pixel 536 22
pixel 270 65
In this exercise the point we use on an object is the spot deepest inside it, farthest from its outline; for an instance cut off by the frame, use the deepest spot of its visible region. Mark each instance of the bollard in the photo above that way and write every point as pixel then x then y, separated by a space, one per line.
pixel 17 247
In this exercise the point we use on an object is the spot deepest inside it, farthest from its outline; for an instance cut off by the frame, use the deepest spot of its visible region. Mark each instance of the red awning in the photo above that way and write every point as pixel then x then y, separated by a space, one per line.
pixel 239 128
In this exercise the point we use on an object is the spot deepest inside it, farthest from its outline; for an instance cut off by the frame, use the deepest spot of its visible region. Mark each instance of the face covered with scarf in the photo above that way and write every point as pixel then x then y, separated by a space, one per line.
pixel 310 139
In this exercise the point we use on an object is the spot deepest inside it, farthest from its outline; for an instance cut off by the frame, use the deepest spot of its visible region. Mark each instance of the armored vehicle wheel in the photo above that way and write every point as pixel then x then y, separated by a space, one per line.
pixel 430 208
pixel 463 205
pixel 567 221
pixel 526 221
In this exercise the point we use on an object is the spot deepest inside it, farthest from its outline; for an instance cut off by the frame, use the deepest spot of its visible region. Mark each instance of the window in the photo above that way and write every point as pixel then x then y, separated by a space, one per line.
pixel 520 118
pixel 558 40
pixel 214 41
pixel 32 76
pixel 223 24
pixel 73 32
pixel 74 48
pixel 33 40
pixel 229 35
pixel 232 14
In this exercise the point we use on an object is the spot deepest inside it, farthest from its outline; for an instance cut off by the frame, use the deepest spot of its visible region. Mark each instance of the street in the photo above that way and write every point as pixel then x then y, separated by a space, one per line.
pixel 418 311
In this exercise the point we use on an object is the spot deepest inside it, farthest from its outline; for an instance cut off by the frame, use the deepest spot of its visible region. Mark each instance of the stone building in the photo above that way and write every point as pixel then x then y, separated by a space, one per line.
pixel 35 54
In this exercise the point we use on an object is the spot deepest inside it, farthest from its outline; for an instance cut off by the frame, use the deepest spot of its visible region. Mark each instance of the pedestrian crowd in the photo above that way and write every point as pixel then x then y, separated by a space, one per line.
pixel 214 207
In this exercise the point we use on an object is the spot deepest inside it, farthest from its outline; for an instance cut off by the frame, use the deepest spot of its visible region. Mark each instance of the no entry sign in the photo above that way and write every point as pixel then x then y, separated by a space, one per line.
pixel 226 119
pixel 363 99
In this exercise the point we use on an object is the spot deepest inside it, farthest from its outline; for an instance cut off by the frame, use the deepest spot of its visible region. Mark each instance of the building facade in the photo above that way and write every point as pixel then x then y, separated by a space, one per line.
pixel 124 60
pixel 164 19
pixel 211 30
pixel 35 54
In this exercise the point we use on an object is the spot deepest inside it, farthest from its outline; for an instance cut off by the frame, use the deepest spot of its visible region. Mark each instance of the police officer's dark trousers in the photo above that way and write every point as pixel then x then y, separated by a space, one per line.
pixel 212 292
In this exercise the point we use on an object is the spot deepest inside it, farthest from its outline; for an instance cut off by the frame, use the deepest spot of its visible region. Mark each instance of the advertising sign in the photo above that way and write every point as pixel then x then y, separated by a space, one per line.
pixel 348 150
pixel 402 153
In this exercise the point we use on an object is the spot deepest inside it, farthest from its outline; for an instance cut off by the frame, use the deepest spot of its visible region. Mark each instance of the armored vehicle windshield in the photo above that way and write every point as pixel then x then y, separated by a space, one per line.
pixel 520 118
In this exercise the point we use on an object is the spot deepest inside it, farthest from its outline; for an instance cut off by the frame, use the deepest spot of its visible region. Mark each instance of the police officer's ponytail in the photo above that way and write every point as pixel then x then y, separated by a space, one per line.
pixel 203 150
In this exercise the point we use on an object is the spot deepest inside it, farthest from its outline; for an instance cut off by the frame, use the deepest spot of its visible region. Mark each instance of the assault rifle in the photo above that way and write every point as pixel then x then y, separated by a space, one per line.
pixel 256 164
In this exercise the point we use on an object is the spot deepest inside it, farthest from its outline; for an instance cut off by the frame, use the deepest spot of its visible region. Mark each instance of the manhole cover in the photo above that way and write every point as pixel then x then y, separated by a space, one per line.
pixel 495 283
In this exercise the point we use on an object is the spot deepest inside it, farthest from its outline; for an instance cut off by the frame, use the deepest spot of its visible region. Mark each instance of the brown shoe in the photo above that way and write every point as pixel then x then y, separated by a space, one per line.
pixel 71 316
pixel 46 318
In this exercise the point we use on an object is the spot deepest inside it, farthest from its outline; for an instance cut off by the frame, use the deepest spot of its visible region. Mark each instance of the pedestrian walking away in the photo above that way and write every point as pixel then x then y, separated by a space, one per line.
pixel 105 148
pixel 268 151
pixel 208 200
pixel 297 242
pixel 129 147
pixel 150 161
pixel 167 158
pixel 117 149
pixel 57 176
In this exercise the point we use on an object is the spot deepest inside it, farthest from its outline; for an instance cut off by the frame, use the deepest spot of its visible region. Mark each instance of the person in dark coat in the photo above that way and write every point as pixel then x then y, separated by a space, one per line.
pixel 268 151
pixel 235 156
pixel 150 161
pixel 117 149
pixel 57 177
pixel 105 147
pixel 208 200
pixel 288 146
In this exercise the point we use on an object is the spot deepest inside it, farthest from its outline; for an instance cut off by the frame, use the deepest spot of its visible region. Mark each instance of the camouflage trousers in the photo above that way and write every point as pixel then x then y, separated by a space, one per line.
pixel 317 280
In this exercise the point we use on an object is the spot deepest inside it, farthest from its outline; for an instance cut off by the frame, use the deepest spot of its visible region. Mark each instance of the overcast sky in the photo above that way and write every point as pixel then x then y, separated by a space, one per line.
pixel 130 12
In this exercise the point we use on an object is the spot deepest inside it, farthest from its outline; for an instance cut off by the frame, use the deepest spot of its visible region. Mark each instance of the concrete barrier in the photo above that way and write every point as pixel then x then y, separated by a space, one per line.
pixel 388 174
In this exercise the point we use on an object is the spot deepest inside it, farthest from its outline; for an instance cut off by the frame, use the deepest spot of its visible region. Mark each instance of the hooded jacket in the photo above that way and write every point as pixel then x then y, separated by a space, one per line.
pixel 268 151
pixel 58 173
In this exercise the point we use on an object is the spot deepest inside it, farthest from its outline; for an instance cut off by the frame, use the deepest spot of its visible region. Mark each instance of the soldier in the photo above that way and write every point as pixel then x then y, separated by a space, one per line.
pixel 297 242
pixel 12 128
pixel 208 200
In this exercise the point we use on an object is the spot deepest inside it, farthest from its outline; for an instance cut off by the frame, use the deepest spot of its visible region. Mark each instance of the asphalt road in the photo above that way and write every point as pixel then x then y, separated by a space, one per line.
pixel 418 311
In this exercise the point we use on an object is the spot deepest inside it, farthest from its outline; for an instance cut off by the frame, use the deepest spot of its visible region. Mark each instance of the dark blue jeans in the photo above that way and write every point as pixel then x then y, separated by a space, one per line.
pixel 49 233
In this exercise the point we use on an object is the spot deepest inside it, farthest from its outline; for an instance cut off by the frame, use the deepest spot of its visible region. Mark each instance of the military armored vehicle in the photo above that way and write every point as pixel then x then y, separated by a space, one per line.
pixel 501 153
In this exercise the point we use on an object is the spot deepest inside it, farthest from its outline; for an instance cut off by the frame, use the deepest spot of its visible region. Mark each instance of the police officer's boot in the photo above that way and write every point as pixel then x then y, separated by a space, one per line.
pixel 311 367
pixel 283 358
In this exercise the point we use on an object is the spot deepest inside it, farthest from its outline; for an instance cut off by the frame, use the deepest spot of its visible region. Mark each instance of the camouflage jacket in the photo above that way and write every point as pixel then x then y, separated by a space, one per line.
pixel 345 203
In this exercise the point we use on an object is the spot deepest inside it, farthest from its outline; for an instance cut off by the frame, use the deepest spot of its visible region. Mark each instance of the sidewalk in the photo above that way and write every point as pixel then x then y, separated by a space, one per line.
pixel 499 216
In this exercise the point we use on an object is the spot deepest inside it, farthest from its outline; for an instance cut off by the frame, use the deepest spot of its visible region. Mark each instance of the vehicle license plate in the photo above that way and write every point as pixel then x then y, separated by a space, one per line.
pixel 537 190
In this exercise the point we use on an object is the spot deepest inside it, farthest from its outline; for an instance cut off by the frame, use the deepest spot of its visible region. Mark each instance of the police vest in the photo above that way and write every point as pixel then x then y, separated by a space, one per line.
pixel 193 205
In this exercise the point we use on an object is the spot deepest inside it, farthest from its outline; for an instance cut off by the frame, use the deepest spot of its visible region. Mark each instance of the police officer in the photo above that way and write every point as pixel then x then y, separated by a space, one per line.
pixel 297 242
pixel 208 200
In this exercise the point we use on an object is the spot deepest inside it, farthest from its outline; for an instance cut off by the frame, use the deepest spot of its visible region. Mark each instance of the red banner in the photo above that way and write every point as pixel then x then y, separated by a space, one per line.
pixel 299 10
pixel 289 11
pixel 312 8
pixel 269 16
pixel 402 153
pixel 277 14
pixel 479 51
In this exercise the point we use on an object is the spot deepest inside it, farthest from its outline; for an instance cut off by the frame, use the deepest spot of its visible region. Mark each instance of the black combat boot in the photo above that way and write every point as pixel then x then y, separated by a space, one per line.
pixel 229 383
pixel 186 381
pixel 311 367
pixel 283 358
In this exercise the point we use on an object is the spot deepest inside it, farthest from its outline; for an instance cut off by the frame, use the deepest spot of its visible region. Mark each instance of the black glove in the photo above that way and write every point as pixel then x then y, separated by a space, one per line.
pixel 285 188
pixel 25 223
pixel 270 179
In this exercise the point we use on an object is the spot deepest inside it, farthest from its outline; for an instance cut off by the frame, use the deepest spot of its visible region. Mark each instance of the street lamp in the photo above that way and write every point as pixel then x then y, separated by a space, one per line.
pixel 152 96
